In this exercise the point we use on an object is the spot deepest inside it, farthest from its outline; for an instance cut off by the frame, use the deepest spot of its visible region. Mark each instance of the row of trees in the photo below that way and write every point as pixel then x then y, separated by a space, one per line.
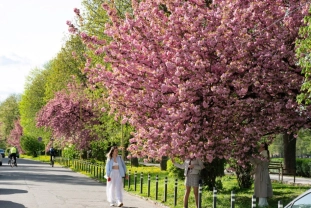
pixel 208 79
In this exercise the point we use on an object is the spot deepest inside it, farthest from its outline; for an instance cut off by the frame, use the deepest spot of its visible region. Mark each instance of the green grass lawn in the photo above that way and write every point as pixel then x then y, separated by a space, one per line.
pixel 243 197
pixel 281 191
pixel 41 158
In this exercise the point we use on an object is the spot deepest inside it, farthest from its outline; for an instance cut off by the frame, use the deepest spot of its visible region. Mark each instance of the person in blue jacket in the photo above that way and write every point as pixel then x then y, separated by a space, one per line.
pixel 115 171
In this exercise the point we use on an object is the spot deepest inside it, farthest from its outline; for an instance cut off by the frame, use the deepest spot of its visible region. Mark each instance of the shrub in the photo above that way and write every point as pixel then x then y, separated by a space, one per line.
pixel 31 145
pixel 173 171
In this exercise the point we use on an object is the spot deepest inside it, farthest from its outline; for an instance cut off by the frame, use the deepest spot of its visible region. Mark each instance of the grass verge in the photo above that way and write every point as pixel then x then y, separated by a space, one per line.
pixel 155 192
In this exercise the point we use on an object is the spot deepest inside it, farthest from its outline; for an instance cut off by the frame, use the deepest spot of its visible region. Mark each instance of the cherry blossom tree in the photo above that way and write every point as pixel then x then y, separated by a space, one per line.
pixel 68 115
pixel 14 138
pixel 200 78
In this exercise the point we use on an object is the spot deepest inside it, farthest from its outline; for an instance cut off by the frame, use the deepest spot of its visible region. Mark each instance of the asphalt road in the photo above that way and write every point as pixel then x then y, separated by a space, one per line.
pixel 38 185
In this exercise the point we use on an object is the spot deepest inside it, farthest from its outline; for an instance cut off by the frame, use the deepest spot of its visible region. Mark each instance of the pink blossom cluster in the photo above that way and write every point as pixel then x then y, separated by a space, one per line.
pixel 203 80
pixel 15 136
pixel 68 116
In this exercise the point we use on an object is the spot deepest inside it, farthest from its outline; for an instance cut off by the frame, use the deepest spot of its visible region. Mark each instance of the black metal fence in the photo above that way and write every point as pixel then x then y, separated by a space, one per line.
pixel 98 171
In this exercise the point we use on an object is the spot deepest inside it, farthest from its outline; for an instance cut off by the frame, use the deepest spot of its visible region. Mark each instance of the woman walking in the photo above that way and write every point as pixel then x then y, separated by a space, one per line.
pixel 115 171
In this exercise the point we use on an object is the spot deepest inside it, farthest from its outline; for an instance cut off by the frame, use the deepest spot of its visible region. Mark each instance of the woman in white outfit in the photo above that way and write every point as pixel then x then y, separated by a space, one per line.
pixel 115 171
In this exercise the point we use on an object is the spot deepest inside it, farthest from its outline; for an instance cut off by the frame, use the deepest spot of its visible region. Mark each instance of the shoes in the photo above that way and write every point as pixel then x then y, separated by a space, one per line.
pixel 120 204
pixel 112 205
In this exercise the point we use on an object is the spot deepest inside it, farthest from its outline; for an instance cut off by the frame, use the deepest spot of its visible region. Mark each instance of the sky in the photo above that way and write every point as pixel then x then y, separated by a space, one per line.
pixel 32 32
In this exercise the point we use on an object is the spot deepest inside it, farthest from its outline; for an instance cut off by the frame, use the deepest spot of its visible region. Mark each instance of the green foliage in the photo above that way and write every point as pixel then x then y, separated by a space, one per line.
pixel 225 185
pixel 70 152
pixel 31 102
pixel 99 149
pixel 303 144
pixel 174 171
pixel 245 179
pixel 276 148
pixel 112 132
pixel 303 167
pixel 212 171
pixel 304 60
pixel 64 66
pixel 31 145
pixel 9 112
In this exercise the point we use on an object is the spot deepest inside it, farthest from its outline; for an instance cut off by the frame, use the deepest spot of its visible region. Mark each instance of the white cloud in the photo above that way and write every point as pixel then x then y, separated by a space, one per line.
pixel 13 60
pixel 32 34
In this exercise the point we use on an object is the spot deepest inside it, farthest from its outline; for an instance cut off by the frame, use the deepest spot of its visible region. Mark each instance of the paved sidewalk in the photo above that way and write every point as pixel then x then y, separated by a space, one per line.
pixel 38 185
pixel 290 179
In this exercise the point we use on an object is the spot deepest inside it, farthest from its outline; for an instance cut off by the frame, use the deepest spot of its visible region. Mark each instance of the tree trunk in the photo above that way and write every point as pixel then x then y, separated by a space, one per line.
pixel 163 163
pixel 244 177
pixel 134 162
pixel 211 172
pixel 289 153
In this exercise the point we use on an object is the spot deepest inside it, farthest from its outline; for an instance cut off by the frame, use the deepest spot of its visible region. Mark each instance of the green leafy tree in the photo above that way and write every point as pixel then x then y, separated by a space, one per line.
pixel 276 148
pixel 303 53
pixel 9 113
pixel 31 145
pixel 66 65
pixel 32 101
pixel 303 142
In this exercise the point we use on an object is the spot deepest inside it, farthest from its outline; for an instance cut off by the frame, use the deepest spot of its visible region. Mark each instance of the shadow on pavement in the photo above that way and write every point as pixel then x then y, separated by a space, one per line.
pixel 11 191
pixel 46 178
pixel 9 204
pixel 38 171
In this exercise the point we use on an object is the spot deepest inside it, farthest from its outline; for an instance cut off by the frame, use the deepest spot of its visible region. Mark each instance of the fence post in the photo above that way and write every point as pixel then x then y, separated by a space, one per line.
pixel 175 192
pixel 141 182
pixel 232 199
pixel 165 189
pixel 135 177
pixel 280 204
pixel 214 197
pixel 101 171
pixel 157 186
pixel 148 184
pixel 200 196
pixel 254 201
pixel 129 180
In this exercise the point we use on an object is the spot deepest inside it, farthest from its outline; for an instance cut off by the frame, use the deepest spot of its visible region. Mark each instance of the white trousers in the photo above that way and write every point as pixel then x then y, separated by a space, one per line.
pixel 263 202
pixel 114 188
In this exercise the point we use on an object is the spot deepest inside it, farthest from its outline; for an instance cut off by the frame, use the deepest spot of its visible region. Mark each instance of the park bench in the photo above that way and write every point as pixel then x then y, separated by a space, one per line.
pixel 278 166
pixel 281 170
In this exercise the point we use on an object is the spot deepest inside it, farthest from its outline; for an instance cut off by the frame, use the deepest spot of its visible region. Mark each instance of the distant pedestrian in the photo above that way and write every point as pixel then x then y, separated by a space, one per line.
pixel 262 186
pixel 192 168
pixel 52 153
pixel 115 171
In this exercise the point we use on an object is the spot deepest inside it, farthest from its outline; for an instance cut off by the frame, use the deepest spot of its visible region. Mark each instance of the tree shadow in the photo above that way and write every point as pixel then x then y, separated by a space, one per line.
pixel 12 191
pixel 9 204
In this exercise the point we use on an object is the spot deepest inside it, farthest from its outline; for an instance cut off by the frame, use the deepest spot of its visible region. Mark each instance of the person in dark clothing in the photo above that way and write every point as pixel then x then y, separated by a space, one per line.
pixel 52 154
